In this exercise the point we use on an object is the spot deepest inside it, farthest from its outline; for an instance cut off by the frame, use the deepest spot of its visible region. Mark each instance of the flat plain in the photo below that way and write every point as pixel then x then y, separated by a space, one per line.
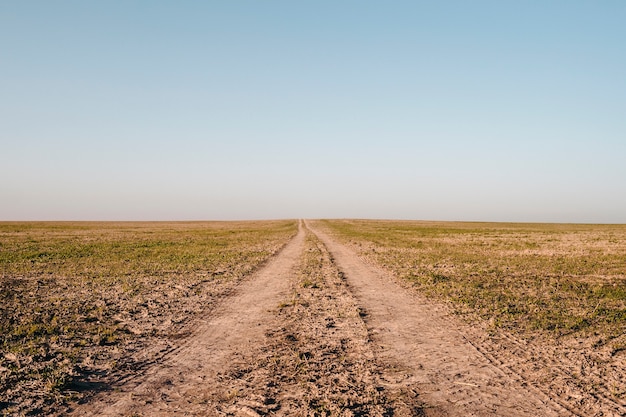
pixel 319 318
pixel 546 300
pixel 83 304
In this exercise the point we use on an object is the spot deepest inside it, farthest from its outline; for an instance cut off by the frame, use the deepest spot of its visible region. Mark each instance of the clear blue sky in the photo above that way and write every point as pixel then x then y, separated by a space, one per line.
pixel 446 110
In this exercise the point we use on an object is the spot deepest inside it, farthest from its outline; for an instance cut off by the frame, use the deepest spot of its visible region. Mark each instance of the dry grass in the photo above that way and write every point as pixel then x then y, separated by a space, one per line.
pixel 316 359
pixel 550 297
pixel 78 299
pixel 552 279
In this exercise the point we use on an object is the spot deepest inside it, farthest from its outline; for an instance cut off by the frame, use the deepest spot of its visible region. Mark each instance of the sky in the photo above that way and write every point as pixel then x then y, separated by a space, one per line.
pixel 225 110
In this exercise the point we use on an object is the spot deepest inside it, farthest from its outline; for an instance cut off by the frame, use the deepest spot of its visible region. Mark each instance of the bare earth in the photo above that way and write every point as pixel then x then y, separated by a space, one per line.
pixel 319 332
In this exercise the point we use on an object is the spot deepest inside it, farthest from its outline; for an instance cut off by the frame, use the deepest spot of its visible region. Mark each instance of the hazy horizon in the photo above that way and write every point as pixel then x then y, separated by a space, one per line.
pixel 415 221
pixel 450 111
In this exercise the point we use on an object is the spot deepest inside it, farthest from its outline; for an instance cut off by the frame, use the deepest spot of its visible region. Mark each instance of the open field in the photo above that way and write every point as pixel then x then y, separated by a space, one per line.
pixel 81 301
pixel 542 278
pixel 544 294
pixel 316 318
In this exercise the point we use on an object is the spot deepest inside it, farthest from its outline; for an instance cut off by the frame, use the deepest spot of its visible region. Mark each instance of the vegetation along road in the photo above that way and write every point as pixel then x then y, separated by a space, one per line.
pixel 358 318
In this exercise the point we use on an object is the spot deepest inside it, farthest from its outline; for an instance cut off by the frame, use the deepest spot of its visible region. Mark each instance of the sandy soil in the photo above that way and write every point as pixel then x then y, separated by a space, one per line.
pixel 419 338
pixel 319 332
pixel 180 382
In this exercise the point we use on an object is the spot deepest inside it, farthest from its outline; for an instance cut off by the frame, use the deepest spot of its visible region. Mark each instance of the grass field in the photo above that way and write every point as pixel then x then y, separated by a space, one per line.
pixel 550 279
pixel 84 302
pixel 75 297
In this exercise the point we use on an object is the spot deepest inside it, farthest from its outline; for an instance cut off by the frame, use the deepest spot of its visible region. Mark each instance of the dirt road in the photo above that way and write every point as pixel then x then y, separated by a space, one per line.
pixel 319 332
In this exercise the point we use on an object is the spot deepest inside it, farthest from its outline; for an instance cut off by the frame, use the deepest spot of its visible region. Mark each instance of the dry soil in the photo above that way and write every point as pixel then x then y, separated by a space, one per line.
pixel 317 331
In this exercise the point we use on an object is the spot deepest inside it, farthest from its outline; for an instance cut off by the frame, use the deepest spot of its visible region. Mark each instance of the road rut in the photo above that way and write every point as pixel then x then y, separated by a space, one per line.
pixel 318 332
pixel 179 384
pixel 417 338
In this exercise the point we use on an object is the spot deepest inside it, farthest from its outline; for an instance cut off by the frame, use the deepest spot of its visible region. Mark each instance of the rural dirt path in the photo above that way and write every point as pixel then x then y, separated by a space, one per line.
pixel 178 385
pixel 430 351
pixel 319 332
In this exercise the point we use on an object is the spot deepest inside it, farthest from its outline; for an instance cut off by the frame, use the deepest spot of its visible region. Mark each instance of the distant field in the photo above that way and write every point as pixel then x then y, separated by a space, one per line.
pixel 550 279
pixel 84 306
pixel 75 297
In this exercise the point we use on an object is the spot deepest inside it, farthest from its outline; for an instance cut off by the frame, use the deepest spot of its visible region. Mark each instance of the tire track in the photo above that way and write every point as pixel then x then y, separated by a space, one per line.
pixel 552 374
pixel 318 332
pixel 317 358
pixel 179 383
pixel 416 338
